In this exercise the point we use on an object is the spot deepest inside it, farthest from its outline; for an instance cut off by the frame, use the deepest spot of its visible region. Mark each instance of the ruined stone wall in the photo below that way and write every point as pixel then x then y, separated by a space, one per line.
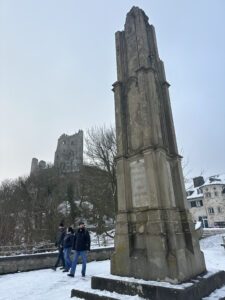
pixel 37 166
pixel 69 153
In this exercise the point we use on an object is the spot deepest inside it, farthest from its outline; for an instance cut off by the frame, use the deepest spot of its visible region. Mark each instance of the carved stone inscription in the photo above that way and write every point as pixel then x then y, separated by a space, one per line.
pixel 138 183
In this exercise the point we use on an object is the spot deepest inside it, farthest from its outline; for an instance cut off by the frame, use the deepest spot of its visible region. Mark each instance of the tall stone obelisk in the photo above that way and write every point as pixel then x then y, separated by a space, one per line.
pixel 155 237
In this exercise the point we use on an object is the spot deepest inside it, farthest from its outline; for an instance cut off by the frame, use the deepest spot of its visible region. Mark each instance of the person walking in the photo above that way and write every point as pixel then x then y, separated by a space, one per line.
pixel 81 245
pixel 59 244
pixel 67 248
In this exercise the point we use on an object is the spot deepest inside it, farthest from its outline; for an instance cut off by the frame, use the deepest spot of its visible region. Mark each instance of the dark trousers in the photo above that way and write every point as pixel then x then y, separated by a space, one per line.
pixel 68 261
pixel 60 257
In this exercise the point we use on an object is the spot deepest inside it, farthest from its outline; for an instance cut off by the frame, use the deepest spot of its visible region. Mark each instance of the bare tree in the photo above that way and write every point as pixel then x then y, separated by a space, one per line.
pixel 97 204
pixel 101 150
pixel 185 163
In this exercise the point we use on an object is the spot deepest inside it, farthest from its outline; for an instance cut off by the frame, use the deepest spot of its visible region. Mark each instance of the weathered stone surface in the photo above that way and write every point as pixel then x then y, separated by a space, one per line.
pixel 155 236
pixel 90 296
pixel 69 153
pixel 21 263
pixel 198 288
pixel 34 165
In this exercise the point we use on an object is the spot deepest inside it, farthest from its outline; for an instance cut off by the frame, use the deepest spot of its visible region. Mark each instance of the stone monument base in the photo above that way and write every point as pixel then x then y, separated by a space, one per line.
pixel 195 289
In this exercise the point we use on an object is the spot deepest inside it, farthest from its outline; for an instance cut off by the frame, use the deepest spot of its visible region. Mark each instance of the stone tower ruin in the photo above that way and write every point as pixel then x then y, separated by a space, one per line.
pixel 69 153
pixel 37 166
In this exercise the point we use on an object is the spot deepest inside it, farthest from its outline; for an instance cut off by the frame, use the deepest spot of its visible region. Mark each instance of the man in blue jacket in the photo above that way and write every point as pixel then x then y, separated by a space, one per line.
pixel 81 245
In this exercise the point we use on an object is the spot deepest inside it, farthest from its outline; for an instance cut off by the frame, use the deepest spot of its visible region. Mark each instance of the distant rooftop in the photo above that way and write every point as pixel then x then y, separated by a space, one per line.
pixel 196 192
pixel 216 179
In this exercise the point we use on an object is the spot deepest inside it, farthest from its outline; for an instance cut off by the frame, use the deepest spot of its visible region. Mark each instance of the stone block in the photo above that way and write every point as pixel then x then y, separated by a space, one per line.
pixel 195 289
pixel 90 296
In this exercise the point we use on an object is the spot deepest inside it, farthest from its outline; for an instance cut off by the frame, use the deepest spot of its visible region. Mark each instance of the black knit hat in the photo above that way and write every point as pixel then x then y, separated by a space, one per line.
pixel 81 222
pixel 61 225
pixel 70 229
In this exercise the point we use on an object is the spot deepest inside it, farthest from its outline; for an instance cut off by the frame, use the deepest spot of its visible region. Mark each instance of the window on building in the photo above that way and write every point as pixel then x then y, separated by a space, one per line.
pixel 214 188
pixel 206 189
pixel 220 224
pixel 193 204
pixel 205 221
pixel 219 209
pixel 208 195
pixel 199 203
pixel 211 210
pixel 216 193
pixel 189 193
pixel 64 142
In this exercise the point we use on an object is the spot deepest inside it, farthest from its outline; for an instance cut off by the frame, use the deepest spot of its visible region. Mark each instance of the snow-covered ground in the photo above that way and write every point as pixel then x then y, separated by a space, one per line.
pixel 47 284
pixel 214 252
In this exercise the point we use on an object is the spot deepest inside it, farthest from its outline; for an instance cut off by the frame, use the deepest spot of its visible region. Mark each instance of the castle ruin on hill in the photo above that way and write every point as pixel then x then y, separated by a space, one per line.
pixel 69 152
pixel 68 155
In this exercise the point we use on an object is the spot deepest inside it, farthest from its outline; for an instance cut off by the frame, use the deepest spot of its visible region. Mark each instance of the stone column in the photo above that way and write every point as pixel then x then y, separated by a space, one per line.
pixel 155 236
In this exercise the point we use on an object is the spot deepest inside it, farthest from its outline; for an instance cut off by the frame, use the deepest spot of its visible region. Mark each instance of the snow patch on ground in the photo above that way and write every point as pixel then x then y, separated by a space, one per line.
pixel 48 284
pixel 214 252
pixel 198 225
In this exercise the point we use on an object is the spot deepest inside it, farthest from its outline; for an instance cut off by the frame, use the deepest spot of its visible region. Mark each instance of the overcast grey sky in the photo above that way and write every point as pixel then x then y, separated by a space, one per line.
pixel 57 64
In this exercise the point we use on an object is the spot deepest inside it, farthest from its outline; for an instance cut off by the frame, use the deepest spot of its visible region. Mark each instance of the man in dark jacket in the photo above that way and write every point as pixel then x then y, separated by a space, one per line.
pixel 59 244
pixel 81 244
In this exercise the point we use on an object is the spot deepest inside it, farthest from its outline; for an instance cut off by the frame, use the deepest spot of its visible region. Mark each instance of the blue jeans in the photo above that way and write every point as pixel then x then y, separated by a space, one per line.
pixel 60 257
pixel 74 263
pixel 68 261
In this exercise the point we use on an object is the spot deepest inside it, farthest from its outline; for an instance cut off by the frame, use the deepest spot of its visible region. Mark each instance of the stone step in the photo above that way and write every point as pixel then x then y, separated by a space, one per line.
pixel 94 294
pixel 196 289
pixel 91 296
pixel 116 288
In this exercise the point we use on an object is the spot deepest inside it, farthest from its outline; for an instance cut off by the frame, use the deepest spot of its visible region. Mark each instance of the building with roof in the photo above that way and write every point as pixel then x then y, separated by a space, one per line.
pixel 206 200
